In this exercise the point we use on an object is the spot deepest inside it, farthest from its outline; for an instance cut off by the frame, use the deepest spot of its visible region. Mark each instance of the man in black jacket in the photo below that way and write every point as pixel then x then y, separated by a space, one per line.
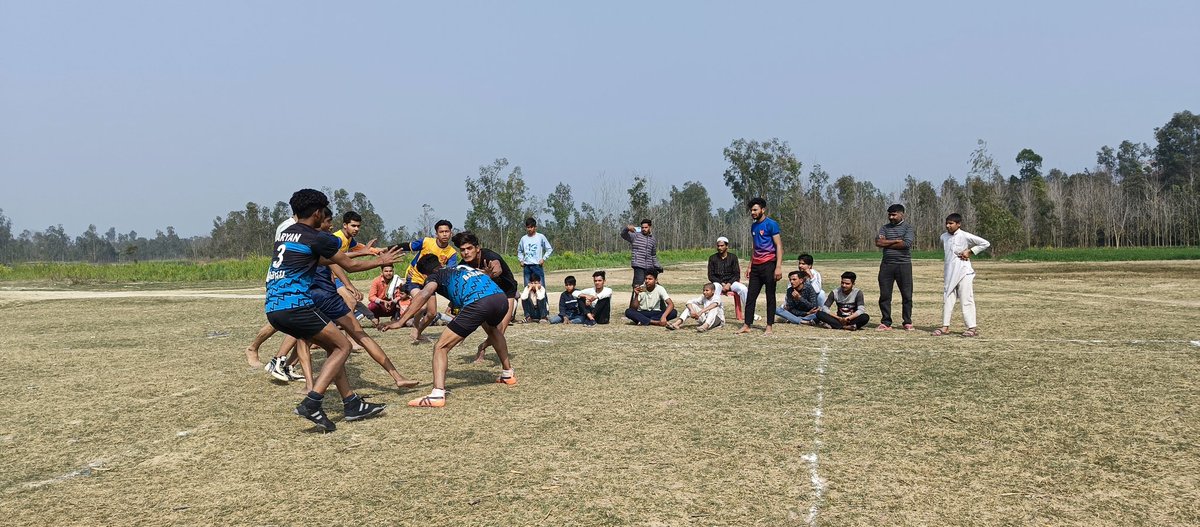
pixel 723 272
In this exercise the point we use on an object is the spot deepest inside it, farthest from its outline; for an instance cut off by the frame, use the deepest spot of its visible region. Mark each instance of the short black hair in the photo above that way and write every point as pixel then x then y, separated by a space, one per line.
pixel 805 258
pixel 530 222
pixel 756 201
pixel 428 264
pixel 954 217
pixel 328 212
pixel 653 273
pixel 387 266
pixel 465 237
pixel 439 224
pixel 570 280
pixel 795 273
pixel 599 274
pixel 350 216
pixel 647 222
pixel 535 278
pixel 305 202
pixel 896 207
pixel 850 274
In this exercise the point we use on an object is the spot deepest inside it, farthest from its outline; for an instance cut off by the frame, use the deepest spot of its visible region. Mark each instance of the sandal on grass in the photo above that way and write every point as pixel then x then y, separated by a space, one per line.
pixel 941 331
pixel 973 332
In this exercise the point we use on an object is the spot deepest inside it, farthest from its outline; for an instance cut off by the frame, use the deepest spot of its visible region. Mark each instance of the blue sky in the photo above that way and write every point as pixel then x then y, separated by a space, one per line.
pixel 140 115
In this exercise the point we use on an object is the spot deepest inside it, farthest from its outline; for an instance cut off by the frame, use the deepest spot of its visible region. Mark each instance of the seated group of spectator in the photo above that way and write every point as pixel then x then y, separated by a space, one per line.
pixel 575 306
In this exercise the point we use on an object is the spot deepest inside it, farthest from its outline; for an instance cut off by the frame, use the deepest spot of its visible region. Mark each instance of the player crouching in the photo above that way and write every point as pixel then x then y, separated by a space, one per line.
pixel 482 303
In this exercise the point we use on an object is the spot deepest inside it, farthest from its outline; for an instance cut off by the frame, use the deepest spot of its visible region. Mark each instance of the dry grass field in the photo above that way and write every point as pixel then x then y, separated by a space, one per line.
pixel 1078 405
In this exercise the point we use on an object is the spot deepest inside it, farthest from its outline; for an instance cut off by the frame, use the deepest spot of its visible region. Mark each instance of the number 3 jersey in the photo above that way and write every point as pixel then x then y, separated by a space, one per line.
pixel 463 285
pixel 298 251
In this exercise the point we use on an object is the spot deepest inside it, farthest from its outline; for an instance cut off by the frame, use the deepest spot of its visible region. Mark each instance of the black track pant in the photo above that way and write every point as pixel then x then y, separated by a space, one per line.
pixel 895 273
pixel 760 275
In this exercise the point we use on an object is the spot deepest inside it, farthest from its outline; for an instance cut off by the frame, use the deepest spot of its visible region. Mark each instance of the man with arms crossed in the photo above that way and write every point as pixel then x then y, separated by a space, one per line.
pixel 896 239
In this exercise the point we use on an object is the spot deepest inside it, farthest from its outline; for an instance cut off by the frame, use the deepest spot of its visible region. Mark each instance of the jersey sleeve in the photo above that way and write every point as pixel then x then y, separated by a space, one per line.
pixel 326 245
pixel 773 228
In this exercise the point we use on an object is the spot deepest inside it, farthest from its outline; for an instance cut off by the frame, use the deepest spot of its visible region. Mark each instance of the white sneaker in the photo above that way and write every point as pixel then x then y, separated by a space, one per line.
pixel 276 367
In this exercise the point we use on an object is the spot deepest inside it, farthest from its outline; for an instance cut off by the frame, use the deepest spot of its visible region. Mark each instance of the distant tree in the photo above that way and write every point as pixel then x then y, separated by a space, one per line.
pixel 767 169
pixel 498 203
pixel 639 200
pixel 7 243
pixel 561 206
pixel 1178 151
pixel 342 202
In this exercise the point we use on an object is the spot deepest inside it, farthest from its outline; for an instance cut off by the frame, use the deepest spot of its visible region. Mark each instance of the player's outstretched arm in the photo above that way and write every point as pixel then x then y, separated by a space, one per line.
pixel 414 307
pixel 353 266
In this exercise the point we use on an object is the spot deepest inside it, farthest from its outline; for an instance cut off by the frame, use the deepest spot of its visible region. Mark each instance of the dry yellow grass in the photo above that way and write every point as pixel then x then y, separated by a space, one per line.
pixel 1079 405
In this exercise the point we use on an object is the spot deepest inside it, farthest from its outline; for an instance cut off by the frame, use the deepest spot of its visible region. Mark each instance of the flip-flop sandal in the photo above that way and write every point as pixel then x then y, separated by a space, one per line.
pixel 971 333
pixel 939 332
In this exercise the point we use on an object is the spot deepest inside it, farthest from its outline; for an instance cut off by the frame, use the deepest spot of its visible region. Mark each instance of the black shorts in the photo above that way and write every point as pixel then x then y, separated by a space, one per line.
pixel 409 287
pixel 299 322
pixel 331 305
pixel 490 309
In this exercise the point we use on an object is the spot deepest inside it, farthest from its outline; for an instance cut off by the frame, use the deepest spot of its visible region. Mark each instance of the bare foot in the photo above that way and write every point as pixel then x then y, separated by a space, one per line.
pixel 479 359
pixel 767 331
pixel 252 358
pixel 745 329
pixel 407 383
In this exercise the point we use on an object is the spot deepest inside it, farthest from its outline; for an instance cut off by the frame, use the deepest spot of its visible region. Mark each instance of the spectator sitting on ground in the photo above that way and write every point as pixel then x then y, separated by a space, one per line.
pixel 651 305
pixel 800 302
pixel 811 276
pixel 533 301
pixel 568 306
pixel 706 309
pixel 382 300
pixel 596 303
pixel 851 311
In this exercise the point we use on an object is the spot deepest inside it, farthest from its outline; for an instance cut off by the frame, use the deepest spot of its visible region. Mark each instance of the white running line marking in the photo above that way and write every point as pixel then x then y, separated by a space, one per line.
pixel 813 458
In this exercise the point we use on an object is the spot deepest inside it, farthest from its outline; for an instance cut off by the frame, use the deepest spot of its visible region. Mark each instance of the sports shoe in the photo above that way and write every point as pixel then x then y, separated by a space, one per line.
pixel 316 415
pixel 428 402
pixel 510 380
pixel 908 327
pixel 276 366
pixel 358 408
pixel 882 327
pixel 292 374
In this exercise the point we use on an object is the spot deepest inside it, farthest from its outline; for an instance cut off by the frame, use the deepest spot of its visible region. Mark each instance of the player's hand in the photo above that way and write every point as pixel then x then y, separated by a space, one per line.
pixel 357 294
pixel 778 273
pixel 388 256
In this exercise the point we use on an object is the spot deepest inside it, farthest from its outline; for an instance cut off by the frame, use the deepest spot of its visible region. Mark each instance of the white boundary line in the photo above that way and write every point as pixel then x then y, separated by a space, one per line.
pixel 814 458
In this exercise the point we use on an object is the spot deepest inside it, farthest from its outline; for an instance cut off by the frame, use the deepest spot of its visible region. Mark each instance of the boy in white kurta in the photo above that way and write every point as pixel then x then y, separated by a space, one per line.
pixel 959 247
pixel 706 309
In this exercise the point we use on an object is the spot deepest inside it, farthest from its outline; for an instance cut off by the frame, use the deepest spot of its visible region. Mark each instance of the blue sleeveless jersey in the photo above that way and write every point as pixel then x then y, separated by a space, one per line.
pixel 298 250
pixel 463 285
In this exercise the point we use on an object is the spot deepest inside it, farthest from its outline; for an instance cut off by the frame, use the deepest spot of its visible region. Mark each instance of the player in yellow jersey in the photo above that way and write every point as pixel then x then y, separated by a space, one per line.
pixel 414 280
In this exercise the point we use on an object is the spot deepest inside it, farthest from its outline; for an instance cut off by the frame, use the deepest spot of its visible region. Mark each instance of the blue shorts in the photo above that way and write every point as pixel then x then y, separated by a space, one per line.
pixel 329 304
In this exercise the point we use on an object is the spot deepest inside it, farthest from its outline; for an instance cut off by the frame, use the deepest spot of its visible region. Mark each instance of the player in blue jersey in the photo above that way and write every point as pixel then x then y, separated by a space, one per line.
pixel 481 303
pixel 298 251
pixel 329 300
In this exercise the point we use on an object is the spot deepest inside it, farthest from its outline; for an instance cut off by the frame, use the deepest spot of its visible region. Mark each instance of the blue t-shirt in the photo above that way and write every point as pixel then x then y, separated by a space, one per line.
pixel 298 250
pixel 463 285
pixel 764 243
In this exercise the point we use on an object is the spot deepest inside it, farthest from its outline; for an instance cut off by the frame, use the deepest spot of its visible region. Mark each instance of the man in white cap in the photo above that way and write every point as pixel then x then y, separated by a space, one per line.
pixel 723 272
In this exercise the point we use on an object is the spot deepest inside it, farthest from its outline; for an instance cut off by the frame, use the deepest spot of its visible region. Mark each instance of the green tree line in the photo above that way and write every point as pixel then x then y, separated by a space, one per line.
pixel 1135 195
